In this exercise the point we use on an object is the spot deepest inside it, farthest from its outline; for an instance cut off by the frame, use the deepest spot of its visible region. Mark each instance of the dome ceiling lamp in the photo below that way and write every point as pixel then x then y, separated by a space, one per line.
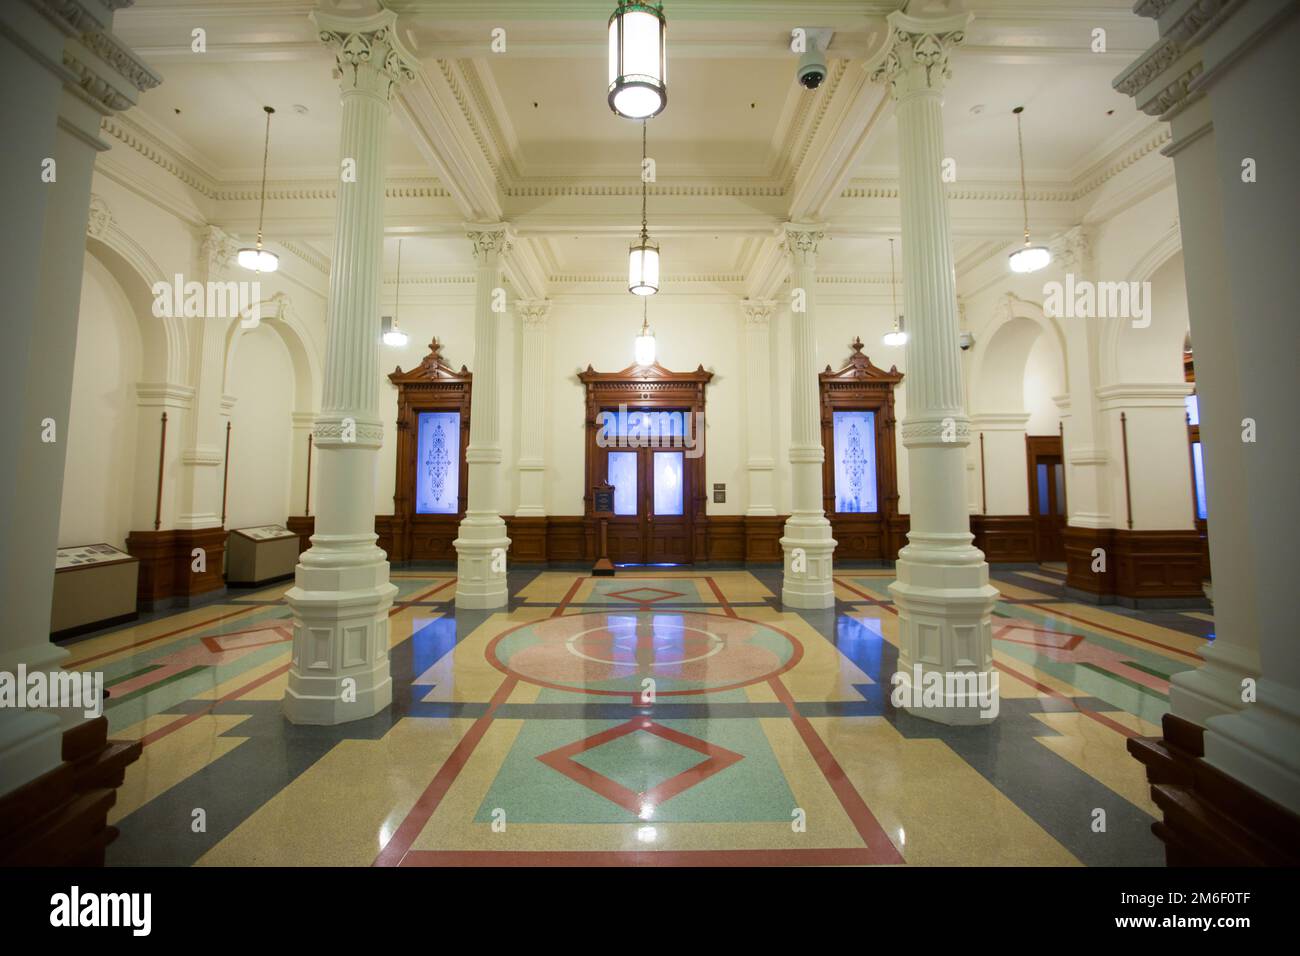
pixel 637 60
pixel 393 336
pixel 643 349
pixel 1029 258
pixel 255 258
pixel 643 255
pixel 896 336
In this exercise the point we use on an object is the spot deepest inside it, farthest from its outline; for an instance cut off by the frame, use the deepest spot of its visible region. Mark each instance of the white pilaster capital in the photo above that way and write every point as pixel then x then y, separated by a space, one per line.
pixel 758 312
pixel 800 241
pixel 217 249
pixel 368 53
pixel 1073 249
pixel 100 218
pixel 533 312
pixel 490 241
pixel 914 58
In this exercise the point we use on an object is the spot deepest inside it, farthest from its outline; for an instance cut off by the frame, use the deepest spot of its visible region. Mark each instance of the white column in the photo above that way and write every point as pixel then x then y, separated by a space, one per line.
pixel 758 395
pixel 481 540
pixel 1244 71
pixel 807 543
pixel 943 594
pixel 532 407
pixel 342 594
pixel 205 433
pixel 63 72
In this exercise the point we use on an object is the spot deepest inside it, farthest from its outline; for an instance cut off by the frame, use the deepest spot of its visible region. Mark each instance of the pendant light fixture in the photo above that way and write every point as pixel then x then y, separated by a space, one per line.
pixel 637 60
pixel 256 258
pixel 1029 258
pixel 644 347
pixel 895 336
pixel 643 256
pixel 393 336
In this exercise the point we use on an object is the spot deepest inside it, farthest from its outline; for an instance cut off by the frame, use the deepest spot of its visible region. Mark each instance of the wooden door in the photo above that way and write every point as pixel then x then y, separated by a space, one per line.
pixel 1047 495
pixel 652 496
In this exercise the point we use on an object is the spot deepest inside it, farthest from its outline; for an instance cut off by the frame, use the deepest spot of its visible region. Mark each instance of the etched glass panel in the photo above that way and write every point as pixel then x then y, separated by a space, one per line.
pixel 1193 405
pixel 437 475
pixel 855 461
pixel 622 475
pixel 668 483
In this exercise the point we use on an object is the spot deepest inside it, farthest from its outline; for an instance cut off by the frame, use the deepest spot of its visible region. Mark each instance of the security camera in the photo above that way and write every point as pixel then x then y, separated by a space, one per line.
pixel 811 44
pixel 812 69
pixel 965 340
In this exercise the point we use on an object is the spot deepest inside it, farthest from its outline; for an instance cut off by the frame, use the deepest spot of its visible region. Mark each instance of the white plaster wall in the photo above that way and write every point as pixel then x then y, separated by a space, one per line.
pixel 101 428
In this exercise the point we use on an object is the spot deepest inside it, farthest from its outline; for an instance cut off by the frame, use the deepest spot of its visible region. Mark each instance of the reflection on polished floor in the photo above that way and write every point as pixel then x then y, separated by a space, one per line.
pixel 521 737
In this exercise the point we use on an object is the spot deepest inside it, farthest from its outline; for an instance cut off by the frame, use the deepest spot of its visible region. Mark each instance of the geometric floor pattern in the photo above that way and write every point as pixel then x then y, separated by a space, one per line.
pixel 656 718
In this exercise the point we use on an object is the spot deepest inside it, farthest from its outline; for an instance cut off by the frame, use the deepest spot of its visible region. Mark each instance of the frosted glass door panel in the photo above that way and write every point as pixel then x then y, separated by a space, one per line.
pixel 855 462
pixel 437 481
pixel 622 475
pixel 668 483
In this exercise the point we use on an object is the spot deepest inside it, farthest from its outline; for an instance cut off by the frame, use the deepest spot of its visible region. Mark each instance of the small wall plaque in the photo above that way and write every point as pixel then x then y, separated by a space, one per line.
pixel 719 494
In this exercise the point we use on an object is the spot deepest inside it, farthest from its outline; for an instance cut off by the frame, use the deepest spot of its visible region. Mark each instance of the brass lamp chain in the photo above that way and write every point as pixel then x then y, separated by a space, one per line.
pixel 266 151
pixel 644 233
pixel 1024 195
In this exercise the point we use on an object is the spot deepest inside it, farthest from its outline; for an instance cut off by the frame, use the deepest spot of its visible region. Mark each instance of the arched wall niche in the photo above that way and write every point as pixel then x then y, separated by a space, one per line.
pixel 1003 355
pixel 1116 334
pixel 279 315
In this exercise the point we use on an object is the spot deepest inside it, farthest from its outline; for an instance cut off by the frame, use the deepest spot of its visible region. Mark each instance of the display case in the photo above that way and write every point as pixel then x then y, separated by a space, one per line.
pixel 261 555
pixel 94 587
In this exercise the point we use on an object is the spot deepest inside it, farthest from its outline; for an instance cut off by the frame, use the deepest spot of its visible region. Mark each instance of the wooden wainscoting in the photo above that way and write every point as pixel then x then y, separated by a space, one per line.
pixel 304 526
pixel 1210 818
pixel 725 540
pixel 61 817
pixel 527 539
pixel 1004 539
pixel 166 560
pixel 763 539
pixel 1141 566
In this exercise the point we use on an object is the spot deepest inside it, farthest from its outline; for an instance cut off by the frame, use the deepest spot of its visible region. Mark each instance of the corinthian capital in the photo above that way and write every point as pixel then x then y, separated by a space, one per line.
pixel 533 312
pixel 914 58
pixel 801 242
pixel 758 311
pixel 367 51
pixel 489 241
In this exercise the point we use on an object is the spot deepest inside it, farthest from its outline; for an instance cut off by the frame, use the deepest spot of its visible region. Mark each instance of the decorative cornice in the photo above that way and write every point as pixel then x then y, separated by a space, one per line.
pixel 112 51
pixel 94 88
pixel 307 255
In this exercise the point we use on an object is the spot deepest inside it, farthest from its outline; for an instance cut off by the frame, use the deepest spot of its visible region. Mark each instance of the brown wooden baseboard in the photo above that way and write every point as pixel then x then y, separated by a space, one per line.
pixel 167 560
pixel 1210 818
pixel 1005 539
pixel 304 526
pixel 61 817
pixel 1141 566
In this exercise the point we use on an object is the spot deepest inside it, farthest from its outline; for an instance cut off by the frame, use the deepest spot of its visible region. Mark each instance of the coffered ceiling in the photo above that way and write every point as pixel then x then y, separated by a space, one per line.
pixel 525 135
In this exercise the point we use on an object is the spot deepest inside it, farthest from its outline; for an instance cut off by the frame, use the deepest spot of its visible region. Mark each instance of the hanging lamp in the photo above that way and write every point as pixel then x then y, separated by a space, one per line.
pixel 895 336
pixel 393 336
pixel 643 255
pixel 1029 258
pixel 255 258
pixel 644 347
pixel 637 60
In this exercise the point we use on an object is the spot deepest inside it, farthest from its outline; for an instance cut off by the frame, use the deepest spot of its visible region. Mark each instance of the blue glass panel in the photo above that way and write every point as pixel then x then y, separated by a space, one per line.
pixel 1042 489
pixel 622 475
pixel 437 477
pixel 855 461
pixel 1193 404
pixel 1060 487
pixel 668 482
pixel 643 428
pixel 1198 470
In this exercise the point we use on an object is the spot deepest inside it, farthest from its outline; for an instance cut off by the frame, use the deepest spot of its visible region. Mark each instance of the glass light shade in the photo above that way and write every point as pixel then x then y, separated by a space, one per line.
pixel 643 268
pixel 644 348
pixel 1030 259
pixel 395 338
pixel 258 260
pixel 637 64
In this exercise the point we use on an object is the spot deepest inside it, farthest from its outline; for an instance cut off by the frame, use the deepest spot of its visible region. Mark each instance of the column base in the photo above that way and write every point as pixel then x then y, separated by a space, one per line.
pixel 1214 688
pixel 1257 746
pixel 339 672
pixel 808 579
pixel 481 545
pixel 945 656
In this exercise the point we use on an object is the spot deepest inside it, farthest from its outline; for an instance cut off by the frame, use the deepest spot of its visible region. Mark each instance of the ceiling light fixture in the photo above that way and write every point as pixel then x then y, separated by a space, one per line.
pixel 896 336
pixel 256 258
pixel 1029 258
pixel 644 347
pixel 643 255
pixel 637 60
pixel 393 336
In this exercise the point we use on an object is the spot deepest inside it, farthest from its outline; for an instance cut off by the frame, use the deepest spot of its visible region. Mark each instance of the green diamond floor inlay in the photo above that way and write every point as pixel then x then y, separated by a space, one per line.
pixel 640 761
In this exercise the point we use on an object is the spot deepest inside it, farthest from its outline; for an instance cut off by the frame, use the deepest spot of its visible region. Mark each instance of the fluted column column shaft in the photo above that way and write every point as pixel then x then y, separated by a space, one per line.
pixel 341 594
pixel 758 390
pixel 532 407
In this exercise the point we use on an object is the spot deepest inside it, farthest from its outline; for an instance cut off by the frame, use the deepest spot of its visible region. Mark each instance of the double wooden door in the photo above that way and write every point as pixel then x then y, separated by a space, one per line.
pixel 653 492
